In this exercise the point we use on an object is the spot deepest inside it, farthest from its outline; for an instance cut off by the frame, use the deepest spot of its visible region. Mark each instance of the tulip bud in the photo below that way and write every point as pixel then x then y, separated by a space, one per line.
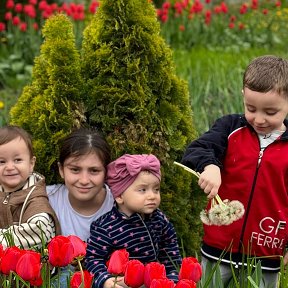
pixel 153 270
pixel 134 274
pixel 118 261
pixel 190 269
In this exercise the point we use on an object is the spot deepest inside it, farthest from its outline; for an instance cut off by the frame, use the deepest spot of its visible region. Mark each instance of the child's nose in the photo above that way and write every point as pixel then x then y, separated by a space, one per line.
pixel 9 165
pixel 259 118
pixel 84 178
pixel 151 194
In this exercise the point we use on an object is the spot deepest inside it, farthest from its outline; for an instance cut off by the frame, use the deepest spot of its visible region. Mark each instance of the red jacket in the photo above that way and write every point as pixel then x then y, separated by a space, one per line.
pixel 258 180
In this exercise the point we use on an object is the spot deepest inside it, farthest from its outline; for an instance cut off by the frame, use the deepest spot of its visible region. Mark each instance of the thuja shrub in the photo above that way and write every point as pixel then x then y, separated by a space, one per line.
pixel 50 106
pixel 124 83
pixel 137 100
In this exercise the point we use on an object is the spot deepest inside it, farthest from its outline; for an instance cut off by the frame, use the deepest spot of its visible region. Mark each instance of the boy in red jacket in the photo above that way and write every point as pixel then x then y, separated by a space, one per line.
pixel 245 158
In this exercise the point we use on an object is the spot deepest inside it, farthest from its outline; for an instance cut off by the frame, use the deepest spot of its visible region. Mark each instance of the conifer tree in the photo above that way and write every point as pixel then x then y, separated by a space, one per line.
pixel 51 105
pixel 137 100
pixel 125 85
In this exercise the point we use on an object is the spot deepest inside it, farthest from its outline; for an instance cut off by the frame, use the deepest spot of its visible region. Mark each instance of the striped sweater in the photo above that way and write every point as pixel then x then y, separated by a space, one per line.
pixel 26 216
pixel 148 240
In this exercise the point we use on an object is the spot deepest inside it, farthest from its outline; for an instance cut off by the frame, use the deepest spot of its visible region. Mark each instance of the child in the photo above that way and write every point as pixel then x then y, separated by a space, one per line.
pixel 245 158
pixel 135 223
pixel 27 218
pixel 84 197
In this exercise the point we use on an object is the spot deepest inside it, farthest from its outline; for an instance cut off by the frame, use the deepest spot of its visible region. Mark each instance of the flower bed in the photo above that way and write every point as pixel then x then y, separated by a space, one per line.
pixel 224 24
pixel 26 268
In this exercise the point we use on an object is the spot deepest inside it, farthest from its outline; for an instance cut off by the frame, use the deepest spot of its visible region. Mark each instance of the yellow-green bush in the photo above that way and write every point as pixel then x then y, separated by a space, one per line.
pixel 51 105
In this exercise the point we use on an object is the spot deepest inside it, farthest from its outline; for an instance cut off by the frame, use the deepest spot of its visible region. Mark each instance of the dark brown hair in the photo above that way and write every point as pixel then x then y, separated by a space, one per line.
pixel 267 73
pixel 10 132
pixel 84 141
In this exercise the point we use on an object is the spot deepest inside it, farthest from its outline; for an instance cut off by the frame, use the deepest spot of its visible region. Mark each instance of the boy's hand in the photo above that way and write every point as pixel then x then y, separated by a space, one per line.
pixel 210 180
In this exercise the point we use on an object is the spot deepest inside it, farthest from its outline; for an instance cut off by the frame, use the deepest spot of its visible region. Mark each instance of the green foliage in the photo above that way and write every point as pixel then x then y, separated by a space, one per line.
pixel 215 80
pixel 50 106
pixel 137 100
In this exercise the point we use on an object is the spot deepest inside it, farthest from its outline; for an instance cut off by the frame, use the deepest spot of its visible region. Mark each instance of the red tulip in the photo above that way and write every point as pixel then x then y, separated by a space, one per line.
pixel 1 247
pixel 134 274
pixel 29 267
pixel 16 21
pixel 9 4
pixel 185 283
pixel 190 269
pixel 76 280
pixel 153 270
pixel 79 246
pixel 9 259
pixel 162 283
pixel 18 8
pixel 60 251
pixel 118 261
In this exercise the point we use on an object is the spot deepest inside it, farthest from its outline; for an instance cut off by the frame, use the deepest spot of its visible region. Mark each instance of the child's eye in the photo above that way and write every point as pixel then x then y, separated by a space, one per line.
pixel 74 170
pixel 252 110
pixel 270 113
pixel 2 162
pixel 18 160
pixel 143 190
pixel 95 171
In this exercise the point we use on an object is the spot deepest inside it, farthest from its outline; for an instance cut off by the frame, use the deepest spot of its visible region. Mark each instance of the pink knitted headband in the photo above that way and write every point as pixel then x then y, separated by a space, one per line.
pixel 122 172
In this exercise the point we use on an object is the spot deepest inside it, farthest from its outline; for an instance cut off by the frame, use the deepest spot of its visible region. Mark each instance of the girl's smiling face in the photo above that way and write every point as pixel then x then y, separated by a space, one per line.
pixel 84 178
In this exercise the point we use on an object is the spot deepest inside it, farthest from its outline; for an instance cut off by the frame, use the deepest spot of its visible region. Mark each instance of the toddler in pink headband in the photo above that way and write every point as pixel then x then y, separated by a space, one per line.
pixel 135 223
pixel 122 172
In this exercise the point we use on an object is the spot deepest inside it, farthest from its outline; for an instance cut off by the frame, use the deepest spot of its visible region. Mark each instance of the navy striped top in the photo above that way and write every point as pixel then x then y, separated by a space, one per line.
pixel 149 240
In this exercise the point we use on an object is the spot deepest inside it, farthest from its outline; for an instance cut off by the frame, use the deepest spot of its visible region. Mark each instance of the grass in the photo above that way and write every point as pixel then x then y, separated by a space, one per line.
pixel 215 81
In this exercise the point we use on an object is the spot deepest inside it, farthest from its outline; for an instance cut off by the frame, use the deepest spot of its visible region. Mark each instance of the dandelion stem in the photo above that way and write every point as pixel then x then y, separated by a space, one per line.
pixel 197 174
pixel 188 169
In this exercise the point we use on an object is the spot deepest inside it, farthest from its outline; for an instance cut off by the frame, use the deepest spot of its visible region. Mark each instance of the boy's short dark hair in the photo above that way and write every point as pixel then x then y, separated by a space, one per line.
pixel 11 132
pixel 267 73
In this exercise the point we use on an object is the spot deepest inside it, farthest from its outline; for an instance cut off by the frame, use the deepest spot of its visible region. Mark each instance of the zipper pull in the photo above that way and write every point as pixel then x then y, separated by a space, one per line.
pixel 6 199
pixel 260 157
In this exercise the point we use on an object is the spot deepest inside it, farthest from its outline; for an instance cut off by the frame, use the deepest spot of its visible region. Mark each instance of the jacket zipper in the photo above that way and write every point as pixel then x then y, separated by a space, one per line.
pixel 261 152
pixel 150 238
pixel 6 199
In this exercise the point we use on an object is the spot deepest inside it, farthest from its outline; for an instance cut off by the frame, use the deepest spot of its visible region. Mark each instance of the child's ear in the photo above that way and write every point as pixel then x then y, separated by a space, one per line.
pixel 119 200
pixel 32 164
pixel 60 168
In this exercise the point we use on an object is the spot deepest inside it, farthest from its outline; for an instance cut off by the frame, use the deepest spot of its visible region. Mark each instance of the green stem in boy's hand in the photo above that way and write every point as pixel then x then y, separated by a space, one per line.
pixel 220 202
pixel 197 174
